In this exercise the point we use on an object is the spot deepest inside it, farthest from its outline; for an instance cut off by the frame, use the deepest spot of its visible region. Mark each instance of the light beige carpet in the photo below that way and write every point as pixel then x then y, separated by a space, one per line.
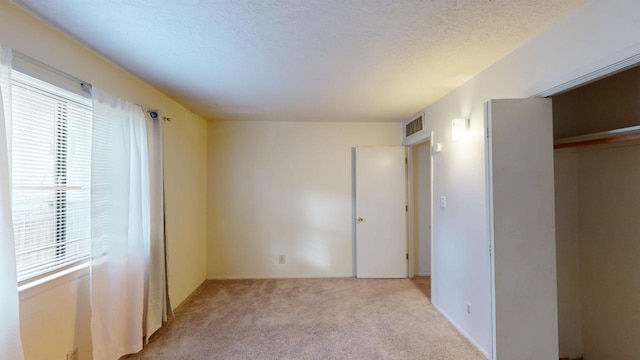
pixel 308 319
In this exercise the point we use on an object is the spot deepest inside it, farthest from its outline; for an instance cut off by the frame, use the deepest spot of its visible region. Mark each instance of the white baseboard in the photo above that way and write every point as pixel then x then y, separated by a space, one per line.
pixel 574 356
pixel 425 274
pixel 285 276
pixel 461 331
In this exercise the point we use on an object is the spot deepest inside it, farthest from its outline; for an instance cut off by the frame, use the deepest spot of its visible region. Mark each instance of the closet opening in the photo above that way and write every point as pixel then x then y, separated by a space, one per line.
pixel 597 204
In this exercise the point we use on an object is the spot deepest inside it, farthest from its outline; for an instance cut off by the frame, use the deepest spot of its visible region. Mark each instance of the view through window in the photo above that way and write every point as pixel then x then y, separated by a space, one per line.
pixel 51 156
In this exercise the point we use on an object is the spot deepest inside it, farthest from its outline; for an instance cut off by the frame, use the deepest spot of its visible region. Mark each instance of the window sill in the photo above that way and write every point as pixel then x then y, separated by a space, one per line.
pixel 54 280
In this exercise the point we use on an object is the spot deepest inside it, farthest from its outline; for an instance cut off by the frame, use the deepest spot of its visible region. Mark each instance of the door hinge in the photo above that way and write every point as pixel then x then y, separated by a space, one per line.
pixel 406 160
pixel 406 208
pixel 487 133
pixel 490 250
pixel 407 256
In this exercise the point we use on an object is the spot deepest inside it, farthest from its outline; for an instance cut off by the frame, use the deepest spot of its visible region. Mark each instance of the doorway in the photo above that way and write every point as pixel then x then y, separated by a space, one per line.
pixel 419 199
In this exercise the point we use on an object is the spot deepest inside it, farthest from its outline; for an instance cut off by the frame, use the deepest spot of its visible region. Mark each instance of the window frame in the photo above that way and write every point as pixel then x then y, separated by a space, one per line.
pixel 63 99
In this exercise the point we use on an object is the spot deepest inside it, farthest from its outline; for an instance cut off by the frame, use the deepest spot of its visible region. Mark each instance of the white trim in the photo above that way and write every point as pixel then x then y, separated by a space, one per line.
pixel 489 200
pixel 285 276
pixel 431 202
pixel 423 274
pixel 608 70
pixel 417 137
pixel 54 280
pixel 410 204
pixel 190 296
pixel 462 332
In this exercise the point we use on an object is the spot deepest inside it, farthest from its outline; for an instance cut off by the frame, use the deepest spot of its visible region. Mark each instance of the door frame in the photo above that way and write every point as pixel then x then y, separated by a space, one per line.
pixel 412 206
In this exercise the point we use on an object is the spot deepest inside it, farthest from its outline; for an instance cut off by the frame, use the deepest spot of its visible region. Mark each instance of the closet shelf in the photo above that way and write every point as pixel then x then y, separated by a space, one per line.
pixel 605 137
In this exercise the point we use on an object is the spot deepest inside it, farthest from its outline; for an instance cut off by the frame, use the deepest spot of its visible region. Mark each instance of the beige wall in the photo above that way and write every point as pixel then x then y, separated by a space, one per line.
pixel 606 104
pixel 597 207
pixel 284 188
pixel 185 160
pixel 54 316
pixel 609 209
pixel 567 253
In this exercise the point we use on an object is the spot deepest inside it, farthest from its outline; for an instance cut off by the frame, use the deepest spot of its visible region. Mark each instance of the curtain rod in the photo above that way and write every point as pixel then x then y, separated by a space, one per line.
pixel 86 86
pixel 154 115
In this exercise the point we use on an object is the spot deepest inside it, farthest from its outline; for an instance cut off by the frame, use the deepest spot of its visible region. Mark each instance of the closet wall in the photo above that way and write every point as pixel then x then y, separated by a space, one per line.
pixel 597 213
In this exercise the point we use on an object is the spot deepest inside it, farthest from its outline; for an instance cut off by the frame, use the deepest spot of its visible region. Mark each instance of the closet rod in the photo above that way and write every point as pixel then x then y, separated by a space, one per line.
pixel 598 141
pixel 605 137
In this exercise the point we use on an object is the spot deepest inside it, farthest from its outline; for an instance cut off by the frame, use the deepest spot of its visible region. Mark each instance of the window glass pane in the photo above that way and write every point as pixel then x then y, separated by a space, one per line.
pixel 51 153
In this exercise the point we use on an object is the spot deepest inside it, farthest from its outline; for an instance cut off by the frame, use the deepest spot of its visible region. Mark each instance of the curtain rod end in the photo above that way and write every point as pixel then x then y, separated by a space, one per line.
pixel 154 114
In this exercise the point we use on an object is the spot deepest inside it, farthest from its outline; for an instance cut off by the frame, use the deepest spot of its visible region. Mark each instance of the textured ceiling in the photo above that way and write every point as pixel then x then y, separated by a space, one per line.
pixel 320 60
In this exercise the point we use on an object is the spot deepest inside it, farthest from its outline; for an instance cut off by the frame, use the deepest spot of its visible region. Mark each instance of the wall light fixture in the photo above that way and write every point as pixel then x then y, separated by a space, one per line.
pixel 459 128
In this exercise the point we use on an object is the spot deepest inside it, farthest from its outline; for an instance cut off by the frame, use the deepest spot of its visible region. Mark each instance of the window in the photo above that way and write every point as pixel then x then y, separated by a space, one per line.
pixel 51 154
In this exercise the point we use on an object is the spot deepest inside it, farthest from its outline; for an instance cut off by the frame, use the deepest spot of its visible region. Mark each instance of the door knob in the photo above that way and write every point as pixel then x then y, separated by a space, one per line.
pixel 360 219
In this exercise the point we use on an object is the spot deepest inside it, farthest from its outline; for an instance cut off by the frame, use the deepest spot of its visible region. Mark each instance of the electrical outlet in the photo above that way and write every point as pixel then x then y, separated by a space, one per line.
pixel 469 308
pixel 73 355
pixel 281 259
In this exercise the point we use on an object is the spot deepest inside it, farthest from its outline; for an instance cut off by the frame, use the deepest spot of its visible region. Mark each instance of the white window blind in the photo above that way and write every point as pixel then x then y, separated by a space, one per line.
pixel 51 154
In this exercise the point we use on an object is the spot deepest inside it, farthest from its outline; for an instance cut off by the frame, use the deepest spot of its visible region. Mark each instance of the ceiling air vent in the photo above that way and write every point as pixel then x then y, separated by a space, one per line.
pixel 414 129
pixel 413 126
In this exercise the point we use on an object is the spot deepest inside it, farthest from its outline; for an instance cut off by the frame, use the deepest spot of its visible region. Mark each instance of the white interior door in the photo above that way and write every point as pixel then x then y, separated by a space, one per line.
pixel 521 208
pixel 381 230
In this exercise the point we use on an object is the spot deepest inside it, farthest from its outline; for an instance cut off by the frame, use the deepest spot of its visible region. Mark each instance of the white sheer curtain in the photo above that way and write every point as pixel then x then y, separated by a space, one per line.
pixel 120 218
pixel 10 343
pixel 158 306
